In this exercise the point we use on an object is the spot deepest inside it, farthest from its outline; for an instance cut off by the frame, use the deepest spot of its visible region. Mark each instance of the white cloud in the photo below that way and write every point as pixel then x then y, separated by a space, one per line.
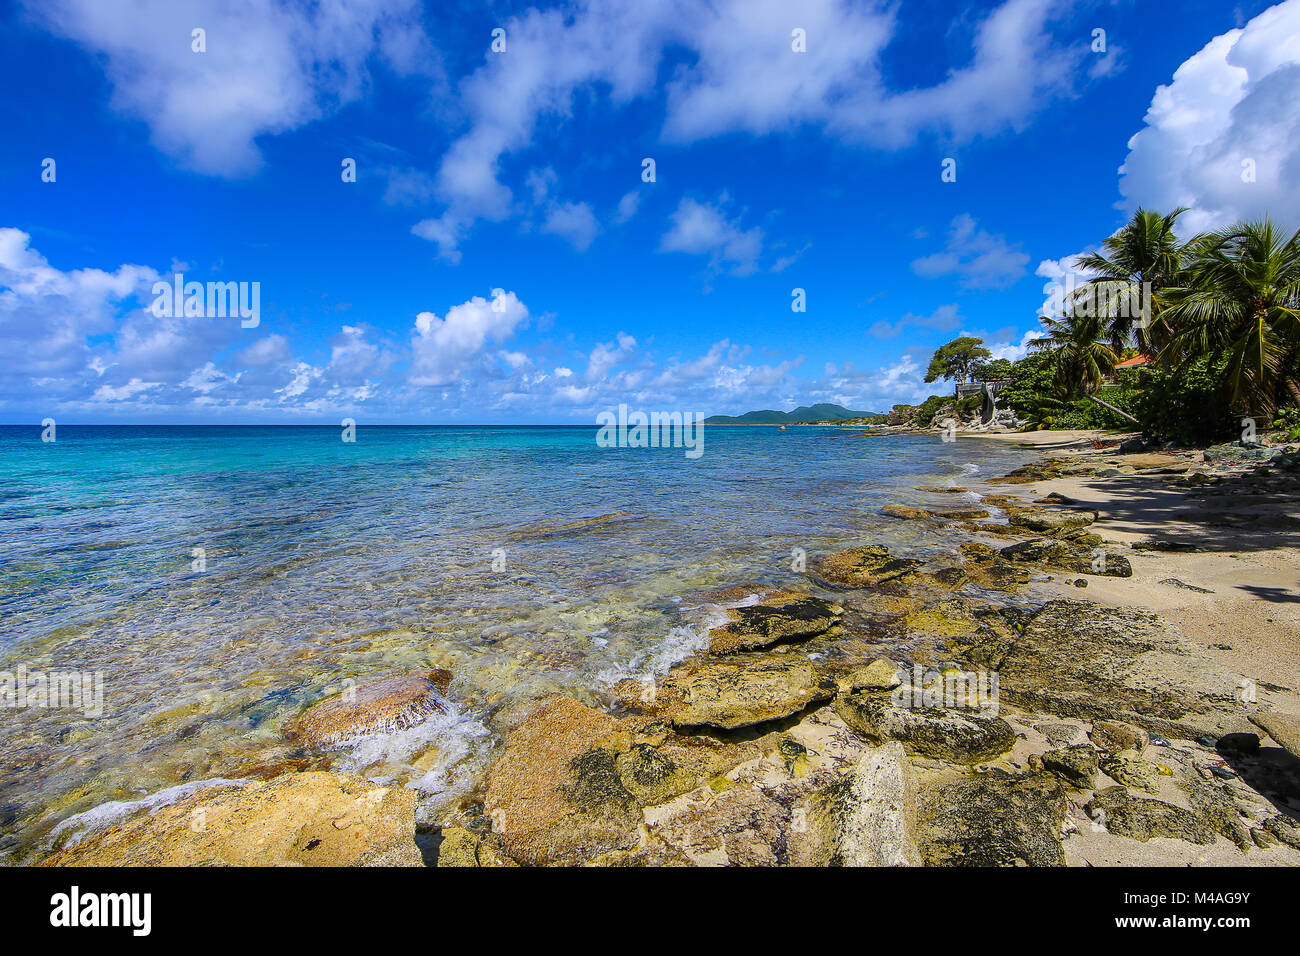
pixel 704 229
pixel 740 75
pixel 627 206
pixel 944 319
pixel 979 259
pixel 269 66
pixel 1237 99
pixel 573 221
pixel 444 350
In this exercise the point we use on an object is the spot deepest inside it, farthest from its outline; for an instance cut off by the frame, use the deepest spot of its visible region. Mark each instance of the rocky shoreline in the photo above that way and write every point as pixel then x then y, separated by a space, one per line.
pixel 972 709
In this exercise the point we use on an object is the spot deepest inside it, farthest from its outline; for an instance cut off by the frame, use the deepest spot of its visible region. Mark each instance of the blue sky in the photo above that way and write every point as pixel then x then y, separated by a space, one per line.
pixel 521 171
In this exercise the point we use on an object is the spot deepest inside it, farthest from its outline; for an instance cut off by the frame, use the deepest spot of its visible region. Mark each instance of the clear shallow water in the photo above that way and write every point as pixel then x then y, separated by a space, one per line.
pixel 327 561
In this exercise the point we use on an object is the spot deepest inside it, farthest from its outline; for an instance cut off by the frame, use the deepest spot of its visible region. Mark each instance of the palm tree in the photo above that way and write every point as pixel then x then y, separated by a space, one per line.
pixel 1240 303
pixel 1145 255
pixel 1082 357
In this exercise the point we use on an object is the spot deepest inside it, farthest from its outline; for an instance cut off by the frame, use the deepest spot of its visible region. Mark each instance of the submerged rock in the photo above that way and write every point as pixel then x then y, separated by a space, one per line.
pixel 382 706
pixel 303 819
pixel 864 567
pixel 780 617
pixel 1138 818
pixel 993 820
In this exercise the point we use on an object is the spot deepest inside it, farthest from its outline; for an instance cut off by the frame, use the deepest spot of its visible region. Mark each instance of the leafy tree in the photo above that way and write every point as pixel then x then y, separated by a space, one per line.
pixel 1240 305
pixel 1146 252
pixel 957 360
pixel 997 370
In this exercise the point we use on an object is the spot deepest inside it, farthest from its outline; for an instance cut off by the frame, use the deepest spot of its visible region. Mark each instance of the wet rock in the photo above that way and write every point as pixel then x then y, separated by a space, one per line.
pixel 1138 818
pixel 780 617
pixel 868 818
pixel 1113 736
pixel 864 567
pixel 299 819
pixel 1068 556
pixel 904 511
pixel 993 820
pixel 463 848
pixel 1077 765
pixel 554 795
pixel 1283 728
pixel 377 707
pixel 730 694
pixel 1128 768
pixel 957 734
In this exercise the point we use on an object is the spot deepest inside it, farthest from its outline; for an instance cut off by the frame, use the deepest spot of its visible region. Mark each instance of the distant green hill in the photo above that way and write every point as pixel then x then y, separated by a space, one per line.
pixel 804 413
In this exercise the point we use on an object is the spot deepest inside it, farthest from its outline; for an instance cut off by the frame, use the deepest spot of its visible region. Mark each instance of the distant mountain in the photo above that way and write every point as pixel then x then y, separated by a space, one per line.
pixel 802 414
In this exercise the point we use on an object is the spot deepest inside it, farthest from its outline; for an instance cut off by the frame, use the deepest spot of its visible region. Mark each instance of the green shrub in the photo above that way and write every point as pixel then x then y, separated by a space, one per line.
pixel 1185 406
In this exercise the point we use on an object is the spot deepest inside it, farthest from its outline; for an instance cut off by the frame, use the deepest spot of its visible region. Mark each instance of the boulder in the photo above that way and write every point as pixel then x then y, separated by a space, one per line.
pixel 1284 728
pixel 729 694
pixel 869 818
pixel 784 616
pixel 554 795
pixel 299 819
pixel 1138 818
pixel 880 674
pixel 957 734
pixel 1128 768
pixel 993 819
pixel 1069 556
pixel 1113 736
pixel 864 567
pixel 1051 521
pixel 377 707
pixel 904 511
pixel 1077 765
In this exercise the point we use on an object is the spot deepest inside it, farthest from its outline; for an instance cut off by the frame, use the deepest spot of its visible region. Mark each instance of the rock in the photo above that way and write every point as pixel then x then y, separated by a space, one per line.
pixel 1113 736
pixel 1094 662
pixel 377 707
pixel 869 818
pixel 880 674
pixel 780 617
pixel 730 694
pixel 299 819
pixel 1213 807
pixel 462 848
pixel 1285 829
pixel 1068 556
pixel 904 511
pixel 1061 734
pixel 1238 744
pixel 864 567
pixel 1051 521
pixel 1128 768
pixel 1175 583
pixel 554 794
pixel 1140 819
pixel 993 820
pixel 1283 728
pixel 1077 765
pixel 957 734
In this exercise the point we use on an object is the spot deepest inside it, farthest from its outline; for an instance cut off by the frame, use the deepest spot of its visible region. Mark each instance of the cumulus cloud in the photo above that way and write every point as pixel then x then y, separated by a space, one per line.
pixel 269 66
pixel 704 229
pixel 445 349
pixel 977 258
pixel 740 74
pixel 1232 106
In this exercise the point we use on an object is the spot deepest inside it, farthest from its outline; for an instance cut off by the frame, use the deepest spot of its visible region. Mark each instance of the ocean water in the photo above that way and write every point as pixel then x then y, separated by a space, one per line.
pixel 527 560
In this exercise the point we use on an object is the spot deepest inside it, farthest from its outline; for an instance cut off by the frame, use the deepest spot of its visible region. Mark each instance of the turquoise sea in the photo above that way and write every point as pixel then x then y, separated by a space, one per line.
pixel 527 560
